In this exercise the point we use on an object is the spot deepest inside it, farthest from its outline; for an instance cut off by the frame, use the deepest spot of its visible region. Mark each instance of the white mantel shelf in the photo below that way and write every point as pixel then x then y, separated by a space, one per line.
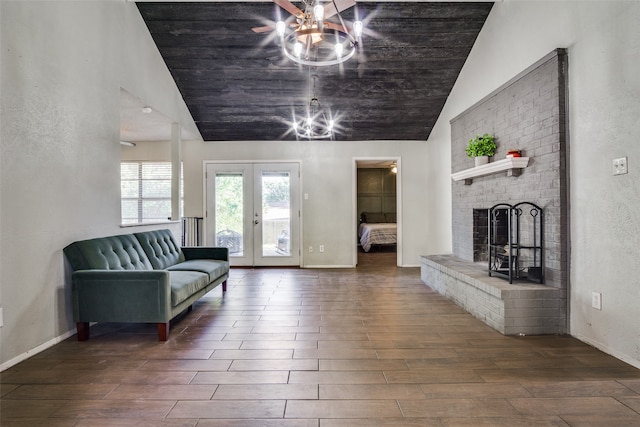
pixel 511 164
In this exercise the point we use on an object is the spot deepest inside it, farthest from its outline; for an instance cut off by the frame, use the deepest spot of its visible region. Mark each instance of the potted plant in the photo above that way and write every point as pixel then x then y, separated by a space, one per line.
pixel 481 147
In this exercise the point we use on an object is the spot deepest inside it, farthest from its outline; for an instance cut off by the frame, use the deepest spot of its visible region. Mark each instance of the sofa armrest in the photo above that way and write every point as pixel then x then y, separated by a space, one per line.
pixel 121 296
pixel 206 252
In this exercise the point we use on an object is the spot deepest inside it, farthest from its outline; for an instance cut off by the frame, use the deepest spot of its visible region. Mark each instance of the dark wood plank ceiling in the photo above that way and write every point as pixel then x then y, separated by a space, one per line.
pixel 239 87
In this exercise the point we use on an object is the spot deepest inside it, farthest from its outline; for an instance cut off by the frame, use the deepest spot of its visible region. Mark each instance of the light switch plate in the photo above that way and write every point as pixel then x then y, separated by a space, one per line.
pixel 596 300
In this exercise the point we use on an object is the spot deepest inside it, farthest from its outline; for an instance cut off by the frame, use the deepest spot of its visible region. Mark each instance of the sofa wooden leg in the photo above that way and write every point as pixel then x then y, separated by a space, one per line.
pixel 83 330
pixel 224 286
pixel 163 331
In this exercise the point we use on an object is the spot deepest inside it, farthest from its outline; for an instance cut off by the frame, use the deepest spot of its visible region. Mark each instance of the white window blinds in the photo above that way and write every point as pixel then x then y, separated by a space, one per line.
pixel 145 189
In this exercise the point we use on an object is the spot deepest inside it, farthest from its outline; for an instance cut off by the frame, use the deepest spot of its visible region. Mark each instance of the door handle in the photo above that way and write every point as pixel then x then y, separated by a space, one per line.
pixel 256 222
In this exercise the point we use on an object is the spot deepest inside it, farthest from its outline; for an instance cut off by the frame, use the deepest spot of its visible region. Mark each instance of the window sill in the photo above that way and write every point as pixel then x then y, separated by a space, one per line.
pixel 142 224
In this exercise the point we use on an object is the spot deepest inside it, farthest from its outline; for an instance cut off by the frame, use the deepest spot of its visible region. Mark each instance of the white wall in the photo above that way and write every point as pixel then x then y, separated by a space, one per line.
pixel 63 64
pixel 327 176
pixel 603 42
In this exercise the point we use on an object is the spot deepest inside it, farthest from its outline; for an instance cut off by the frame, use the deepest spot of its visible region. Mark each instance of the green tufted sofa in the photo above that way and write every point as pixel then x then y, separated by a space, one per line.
pixel 140 278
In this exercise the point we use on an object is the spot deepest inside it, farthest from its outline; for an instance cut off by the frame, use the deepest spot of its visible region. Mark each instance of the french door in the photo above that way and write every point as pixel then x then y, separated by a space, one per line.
pixel 254 210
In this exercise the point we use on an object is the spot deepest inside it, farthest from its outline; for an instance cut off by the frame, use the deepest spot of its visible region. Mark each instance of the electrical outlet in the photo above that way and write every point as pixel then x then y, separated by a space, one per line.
pixel 620 166
pixel 321 248
pixel 596 300
pixel 310 249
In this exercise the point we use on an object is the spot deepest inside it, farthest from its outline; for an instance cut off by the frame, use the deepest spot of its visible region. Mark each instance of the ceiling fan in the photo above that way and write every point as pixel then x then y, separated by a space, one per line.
pixel 314 40
pixel 330 8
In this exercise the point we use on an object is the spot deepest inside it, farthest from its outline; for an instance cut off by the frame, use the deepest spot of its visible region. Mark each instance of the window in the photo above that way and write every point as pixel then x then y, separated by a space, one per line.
pixel 145 192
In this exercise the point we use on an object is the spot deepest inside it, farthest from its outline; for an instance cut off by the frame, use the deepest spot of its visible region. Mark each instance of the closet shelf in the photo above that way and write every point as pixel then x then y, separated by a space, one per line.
pixel 512 165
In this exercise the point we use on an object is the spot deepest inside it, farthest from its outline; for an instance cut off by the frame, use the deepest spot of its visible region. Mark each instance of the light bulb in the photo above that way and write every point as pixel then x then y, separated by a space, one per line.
pixel 318 11
pixel 280 27
pixel 357 28
pixel 339 49
pixel 331 123
pixel 297 49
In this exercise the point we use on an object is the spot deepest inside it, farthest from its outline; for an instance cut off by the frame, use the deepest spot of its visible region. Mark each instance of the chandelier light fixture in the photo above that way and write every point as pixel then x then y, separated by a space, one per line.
pixel 317 123
pixel 312 39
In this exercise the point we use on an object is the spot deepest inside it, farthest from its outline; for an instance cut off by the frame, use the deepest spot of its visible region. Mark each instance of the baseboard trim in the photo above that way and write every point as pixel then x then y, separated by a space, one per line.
pixel 328 266
pixel 30 353
pixel 605 349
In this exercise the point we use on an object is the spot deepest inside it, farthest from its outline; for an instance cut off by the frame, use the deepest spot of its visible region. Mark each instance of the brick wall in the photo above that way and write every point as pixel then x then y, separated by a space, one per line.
pixel 527 113
pixel 527 308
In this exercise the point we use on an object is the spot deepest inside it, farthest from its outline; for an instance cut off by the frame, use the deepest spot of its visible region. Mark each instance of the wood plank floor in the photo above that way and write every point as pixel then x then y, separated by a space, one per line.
pixel 371 346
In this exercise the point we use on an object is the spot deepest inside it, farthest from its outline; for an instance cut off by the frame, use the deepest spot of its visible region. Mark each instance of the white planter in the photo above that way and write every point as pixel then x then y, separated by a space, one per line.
pixel 481 160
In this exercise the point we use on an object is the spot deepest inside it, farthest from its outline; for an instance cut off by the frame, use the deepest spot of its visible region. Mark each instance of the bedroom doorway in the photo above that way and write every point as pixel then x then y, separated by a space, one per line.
pixel 253 209
pixel 377 211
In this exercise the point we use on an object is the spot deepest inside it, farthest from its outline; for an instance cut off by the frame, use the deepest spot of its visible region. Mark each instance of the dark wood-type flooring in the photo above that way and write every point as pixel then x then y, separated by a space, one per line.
pixel 371 346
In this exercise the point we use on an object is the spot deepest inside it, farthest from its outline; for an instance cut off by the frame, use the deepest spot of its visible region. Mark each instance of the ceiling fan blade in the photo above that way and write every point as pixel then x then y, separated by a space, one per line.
pixel 334 26
pixel 330 9
pixel 289 7
pixel 264 29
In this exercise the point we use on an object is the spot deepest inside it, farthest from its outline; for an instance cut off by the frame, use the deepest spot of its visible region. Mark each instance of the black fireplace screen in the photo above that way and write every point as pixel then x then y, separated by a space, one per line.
pixel 515 243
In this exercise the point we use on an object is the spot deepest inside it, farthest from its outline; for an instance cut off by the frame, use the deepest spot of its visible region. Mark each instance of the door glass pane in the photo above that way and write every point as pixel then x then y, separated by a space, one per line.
pixel 229 212
pixel 276 214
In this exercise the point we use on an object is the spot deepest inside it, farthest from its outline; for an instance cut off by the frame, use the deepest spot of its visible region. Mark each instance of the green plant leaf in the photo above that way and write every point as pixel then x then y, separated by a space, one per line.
pixel 481 145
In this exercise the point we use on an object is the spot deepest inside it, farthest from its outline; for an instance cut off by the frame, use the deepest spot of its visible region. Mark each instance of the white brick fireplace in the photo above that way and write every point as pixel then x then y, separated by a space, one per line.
pixel 527 113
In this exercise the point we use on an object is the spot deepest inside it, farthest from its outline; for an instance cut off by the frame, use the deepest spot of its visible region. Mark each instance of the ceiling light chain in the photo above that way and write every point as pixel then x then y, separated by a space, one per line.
pixel 315 125
pixel 316 42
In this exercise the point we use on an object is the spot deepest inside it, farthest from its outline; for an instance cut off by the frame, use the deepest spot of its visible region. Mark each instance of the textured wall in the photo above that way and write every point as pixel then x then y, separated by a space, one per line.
pixel 63 64
pixel 376 190
pixel 528 113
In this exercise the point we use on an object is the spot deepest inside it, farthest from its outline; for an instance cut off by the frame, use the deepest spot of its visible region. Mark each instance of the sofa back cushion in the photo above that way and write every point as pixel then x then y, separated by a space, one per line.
pixel 121 252
pixel 160 247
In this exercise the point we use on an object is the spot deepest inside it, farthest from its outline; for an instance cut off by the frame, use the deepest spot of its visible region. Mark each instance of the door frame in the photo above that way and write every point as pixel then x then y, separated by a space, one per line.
pixel 297 195
pixel 354 203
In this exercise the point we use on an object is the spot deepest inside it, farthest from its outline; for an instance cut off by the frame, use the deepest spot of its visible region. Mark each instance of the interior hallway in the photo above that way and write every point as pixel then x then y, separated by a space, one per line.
pixel 371 346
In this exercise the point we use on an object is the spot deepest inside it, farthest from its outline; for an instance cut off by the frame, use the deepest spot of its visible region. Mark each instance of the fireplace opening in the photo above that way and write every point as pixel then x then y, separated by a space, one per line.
pixel 481 233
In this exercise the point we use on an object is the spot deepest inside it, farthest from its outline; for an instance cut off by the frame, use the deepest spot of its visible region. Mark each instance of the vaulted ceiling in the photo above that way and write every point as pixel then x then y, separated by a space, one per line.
pixel 239 87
